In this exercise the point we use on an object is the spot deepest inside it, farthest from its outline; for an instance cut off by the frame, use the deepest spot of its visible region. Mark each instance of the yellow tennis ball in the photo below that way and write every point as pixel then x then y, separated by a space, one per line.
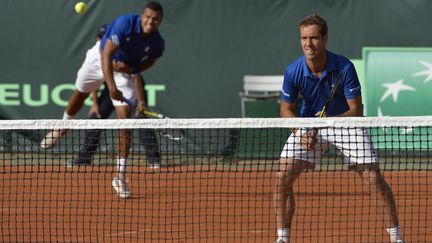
pixel 80 7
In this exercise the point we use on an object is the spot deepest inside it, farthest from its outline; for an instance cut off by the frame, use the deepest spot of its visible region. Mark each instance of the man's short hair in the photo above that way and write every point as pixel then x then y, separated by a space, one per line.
pixel 315 19
pixel 155 6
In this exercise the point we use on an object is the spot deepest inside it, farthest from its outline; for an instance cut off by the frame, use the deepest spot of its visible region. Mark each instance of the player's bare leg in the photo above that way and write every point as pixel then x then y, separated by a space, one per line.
pixel 289 171
pixel 383 198
pixel 76 102
pixel 120 183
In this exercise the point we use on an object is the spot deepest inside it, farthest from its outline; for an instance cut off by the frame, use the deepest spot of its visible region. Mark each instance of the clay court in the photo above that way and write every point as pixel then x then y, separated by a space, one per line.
pixel 200 204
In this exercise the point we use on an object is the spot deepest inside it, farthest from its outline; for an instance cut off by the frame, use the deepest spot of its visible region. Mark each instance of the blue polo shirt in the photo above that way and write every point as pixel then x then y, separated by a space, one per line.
pixel 299 80
pixel 134 48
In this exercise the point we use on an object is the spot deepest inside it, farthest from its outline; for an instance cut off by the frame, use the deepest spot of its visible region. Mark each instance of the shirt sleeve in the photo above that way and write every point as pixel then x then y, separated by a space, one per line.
pixel 118 31
pixel 159 50
pixel 289 91
pixel 352 88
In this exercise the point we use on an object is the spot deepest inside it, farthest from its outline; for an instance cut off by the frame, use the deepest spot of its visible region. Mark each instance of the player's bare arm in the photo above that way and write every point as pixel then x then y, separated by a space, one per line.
pixel 139 88
pixel 148 64
pixel 107 67
pixel 121 67
pixel 288 109
pixel 94 109
pixel 308 139
pixel 355 107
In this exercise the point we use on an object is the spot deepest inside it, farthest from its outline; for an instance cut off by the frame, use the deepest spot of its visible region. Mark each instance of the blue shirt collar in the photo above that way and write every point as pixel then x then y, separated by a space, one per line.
pixel 138 28
pixel 330 66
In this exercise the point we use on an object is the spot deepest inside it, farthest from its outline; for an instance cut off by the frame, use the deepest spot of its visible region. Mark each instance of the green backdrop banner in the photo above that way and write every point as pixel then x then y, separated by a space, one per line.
pixel 398 81
pixel 210 46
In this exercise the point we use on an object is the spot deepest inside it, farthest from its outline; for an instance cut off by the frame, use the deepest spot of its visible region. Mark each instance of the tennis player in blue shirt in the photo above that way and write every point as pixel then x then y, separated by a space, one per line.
pixel 131 44
pixel 313 76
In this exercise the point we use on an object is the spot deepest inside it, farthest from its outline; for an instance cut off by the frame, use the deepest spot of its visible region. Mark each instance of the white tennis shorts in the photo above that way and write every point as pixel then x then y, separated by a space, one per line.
pixel 90 77
pixel 354 143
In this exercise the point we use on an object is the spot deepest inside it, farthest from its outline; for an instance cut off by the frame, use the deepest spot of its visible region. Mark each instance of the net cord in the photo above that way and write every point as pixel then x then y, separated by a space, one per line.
pixel 215 123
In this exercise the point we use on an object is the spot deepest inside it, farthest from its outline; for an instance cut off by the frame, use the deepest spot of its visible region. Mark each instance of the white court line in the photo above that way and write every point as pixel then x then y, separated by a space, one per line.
pixel 170 231
pixel 129 232
pixel 248 231
pixel 124 233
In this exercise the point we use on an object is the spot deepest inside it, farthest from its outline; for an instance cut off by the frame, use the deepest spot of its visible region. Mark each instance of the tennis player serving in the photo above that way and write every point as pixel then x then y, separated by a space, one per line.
pixel 313 76
pixel 131 44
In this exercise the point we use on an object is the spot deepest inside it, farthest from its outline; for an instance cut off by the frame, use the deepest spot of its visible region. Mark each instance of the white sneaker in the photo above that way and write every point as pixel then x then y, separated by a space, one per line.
pixel 122 191
pixel 395 239
pixel 395 235
pixel 154 166
pixel 52 138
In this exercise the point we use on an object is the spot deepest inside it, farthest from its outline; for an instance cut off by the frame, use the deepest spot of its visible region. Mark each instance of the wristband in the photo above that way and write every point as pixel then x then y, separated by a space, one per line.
pixel 141 102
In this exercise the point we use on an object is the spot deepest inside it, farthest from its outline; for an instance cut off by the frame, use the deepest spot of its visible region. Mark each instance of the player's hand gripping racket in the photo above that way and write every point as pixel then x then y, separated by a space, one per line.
pixel 149 114
pixel 173 134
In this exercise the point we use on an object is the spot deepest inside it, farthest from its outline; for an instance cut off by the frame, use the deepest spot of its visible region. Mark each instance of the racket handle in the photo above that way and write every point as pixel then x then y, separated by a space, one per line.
pixel 129 102
pixel 145 112
pixel 323 113
pixel 154 114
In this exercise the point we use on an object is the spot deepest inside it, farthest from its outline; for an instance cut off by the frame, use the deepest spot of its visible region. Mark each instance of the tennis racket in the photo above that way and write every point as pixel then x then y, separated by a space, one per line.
pixel 323 112
pixel 180 136
pixel 150 114
pixel 173 134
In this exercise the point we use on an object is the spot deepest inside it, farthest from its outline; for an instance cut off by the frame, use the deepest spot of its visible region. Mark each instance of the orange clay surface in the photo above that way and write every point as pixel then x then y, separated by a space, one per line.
pixel 201 204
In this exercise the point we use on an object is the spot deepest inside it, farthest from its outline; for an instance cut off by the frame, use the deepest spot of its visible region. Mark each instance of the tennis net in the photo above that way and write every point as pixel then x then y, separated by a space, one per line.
pixel 210 180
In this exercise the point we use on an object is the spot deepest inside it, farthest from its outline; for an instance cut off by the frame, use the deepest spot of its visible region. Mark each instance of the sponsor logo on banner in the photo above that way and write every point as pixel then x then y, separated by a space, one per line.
pixel 398 82
pixel 33 95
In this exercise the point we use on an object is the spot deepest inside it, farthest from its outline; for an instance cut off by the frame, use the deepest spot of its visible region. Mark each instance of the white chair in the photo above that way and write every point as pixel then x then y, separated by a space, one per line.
pixel 260 87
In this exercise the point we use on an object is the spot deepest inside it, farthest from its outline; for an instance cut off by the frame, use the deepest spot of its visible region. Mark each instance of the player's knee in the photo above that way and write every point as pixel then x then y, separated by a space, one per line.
pixel 286 178
pixel 93 116
pixel 80 95
pixel 280 175
pixel 372 175
pixel 284 185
